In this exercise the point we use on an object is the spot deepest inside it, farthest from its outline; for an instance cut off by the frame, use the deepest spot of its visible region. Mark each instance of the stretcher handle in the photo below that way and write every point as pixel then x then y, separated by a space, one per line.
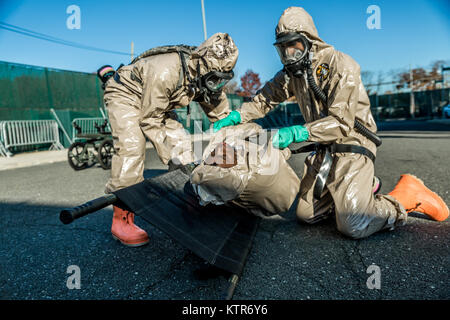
pixel 69 215
pixel 234 279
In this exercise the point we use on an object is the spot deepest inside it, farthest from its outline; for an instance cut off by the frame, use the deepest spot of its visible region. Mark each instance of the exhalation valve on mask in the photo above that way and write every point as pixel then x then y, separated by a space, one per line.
pixel 298 69
pixel 204 95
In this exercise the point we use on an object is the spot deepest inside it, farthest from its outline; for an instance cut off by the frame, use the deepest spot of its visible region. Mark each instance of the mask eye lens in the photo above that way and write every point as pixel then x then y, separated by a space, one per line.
pixel 221 84
pixel 215 82
pixel 291 52
pixel 290 44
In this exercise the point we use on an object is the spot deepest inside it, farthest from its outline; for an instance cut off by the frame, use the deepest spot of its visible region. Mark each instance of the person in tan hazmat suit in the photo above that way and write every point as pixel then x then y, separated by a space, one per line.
pixel 139 99
pixel 240 166
pixel 338 175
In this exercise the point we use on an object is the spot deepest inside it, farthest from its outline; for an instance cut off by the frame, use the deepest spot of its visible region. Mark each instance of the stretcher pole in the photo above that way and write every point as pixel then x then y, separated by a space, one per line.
pixel 234 279
pixel 69 215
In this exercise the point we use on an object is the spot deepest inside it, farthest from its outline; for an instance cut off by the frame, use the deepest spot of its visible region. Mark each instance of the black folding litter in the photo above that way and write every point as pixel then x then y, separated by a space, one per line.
pixel 221 235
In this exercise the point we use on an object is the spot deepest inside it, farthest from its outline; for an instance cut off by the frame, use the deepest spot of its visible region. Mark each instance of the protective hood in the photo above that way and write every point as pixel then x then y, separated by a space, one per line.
pixel 296 19
pixel 219 53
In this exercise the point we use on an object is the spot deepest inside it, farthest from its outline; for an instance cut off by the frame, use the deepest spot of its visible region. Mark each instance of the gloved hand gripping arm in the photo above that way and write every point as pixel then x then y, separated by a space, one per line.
pixel 232 119
pixel 285 136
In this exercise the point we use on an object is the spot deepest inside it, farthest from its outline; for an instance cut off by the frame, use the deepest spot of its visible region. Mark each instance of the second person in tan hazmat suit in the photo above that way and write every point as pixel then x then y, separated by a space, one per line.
pixel 139 99
pixel 339 174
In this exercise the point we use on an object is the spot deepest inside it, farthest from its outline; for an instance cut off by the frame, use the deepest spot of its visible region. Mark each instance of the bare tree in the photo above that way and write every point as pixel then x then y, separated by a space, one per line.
pixel 419 79
pixel 380 77
pixel 367 78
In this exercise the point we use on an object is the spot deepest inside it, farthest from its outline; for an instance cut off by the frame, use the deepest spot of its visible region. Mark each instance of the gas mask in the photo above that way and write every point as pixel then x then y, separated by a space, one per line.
pixel 293 49
pixel 210 85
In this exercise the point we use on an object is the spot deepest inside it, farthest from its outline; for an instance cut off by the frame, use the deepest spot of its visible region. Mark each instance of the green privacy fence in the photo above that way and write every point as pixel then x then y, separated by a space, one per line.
pixel 29 92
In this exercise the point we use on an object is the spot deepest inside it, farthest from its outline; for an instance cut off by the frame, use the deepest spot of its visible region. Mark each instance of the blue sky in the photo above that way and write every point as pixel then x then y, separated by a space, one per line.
pixel 414 32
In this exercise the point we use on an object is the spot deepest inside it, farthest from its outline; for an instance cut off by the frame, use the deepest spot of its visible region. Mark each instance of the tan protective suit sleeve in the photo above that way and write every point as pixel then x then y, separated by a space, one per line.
pixel 271 95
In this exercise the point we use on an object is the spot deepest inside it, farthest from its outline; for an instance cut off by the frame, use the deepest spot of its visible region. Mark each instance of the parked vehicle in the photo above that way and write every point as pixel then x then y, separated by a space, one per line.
pixel 446 111
pixel 91 148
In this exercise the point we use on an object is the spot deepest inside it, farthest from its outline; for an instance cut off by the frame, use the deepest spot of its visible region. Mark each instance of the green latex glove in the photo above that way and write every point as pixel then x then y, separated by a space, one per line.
pixel 232 119
pixel 285 136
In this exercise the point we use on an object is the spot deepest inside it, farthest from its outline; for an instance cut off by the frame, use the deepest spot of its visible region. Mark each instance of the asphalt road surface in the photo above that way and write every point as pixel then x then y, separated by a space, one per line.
pixel 288 260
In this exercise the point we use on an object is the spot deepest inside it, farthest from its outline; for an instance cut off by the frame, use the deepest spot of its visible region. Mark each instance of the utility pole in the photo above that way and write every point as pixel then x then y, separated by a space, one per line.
pixel 412 105
pixel 132 50
pixel 204 19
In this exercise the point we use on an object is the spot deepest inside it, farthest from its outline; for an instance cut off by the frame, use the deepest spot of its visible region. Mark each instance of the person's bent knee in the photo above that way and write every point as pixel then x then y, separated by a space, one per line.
pixel 352 225
pixel 305 213
pixel 303 219
pixel 311 214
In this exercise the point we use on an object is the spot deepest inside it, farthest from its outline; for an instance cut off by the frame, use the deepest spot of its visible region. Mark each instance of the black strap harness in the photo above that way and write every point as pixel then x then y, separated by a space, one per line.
pixel 330 149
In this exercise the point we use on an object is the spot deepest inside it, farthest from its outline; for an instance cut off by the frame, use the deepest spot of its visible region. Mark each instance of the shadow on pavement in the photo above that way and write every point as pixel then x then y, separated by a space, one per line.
pixel 36 250
pixel 288 261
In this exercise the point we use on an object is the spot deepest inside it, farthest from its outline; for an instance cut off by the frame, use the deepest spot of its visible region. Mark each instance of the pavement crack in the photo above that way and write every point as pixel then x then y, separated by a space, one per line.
pixel 348 261
pixel 358 251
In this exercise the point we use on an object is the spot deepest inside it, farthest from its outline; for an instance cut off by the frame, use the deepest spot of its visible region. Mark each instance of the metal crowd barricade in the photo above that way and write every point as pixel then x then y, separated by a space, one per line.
pixel 17 133
pixel 87 126
pixel 3 151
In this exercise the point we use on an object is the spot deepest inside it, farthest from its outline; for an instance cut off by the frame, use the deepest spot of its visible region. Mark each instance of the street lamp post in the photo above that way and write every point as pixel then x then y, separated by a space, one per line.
pixel 204 19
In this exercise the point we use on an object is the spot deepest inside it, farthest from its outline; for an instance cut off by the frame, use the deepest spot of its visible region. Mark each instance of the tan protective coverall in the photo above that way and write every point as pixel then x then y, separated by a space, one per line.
pixel 349 186
pixel 261 181
pixel 139 99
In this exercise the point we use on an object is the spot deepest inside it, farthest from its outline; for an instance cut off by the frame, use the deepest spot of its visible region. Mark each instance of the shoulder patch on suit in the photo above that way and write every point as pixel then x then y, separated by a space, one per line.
pixel 323 71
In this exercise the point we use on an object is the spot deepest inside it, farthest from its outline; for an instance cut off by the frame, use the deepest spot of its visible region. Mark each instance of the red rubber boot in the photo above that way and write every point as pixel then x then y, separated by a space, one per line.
pixel 412 193
pixel 124 230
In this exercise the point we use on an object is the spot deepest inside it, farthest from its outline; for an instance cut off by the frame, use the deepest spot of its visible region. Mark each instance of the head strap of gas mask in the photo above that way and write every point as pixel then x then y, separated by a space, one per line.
pixel 297 65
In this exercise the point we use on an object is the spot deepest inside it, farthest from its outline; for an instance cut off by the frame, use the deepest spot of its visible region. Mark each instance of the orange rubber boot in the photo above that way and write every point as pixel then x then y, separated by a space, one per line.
pixel 124 230
pixel 412 193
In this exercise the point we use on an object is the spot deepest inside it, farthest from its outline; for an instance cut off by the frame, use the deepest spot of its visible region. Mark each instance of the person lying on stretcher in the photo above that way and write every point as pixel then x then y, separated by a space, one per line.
pixel 241 166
